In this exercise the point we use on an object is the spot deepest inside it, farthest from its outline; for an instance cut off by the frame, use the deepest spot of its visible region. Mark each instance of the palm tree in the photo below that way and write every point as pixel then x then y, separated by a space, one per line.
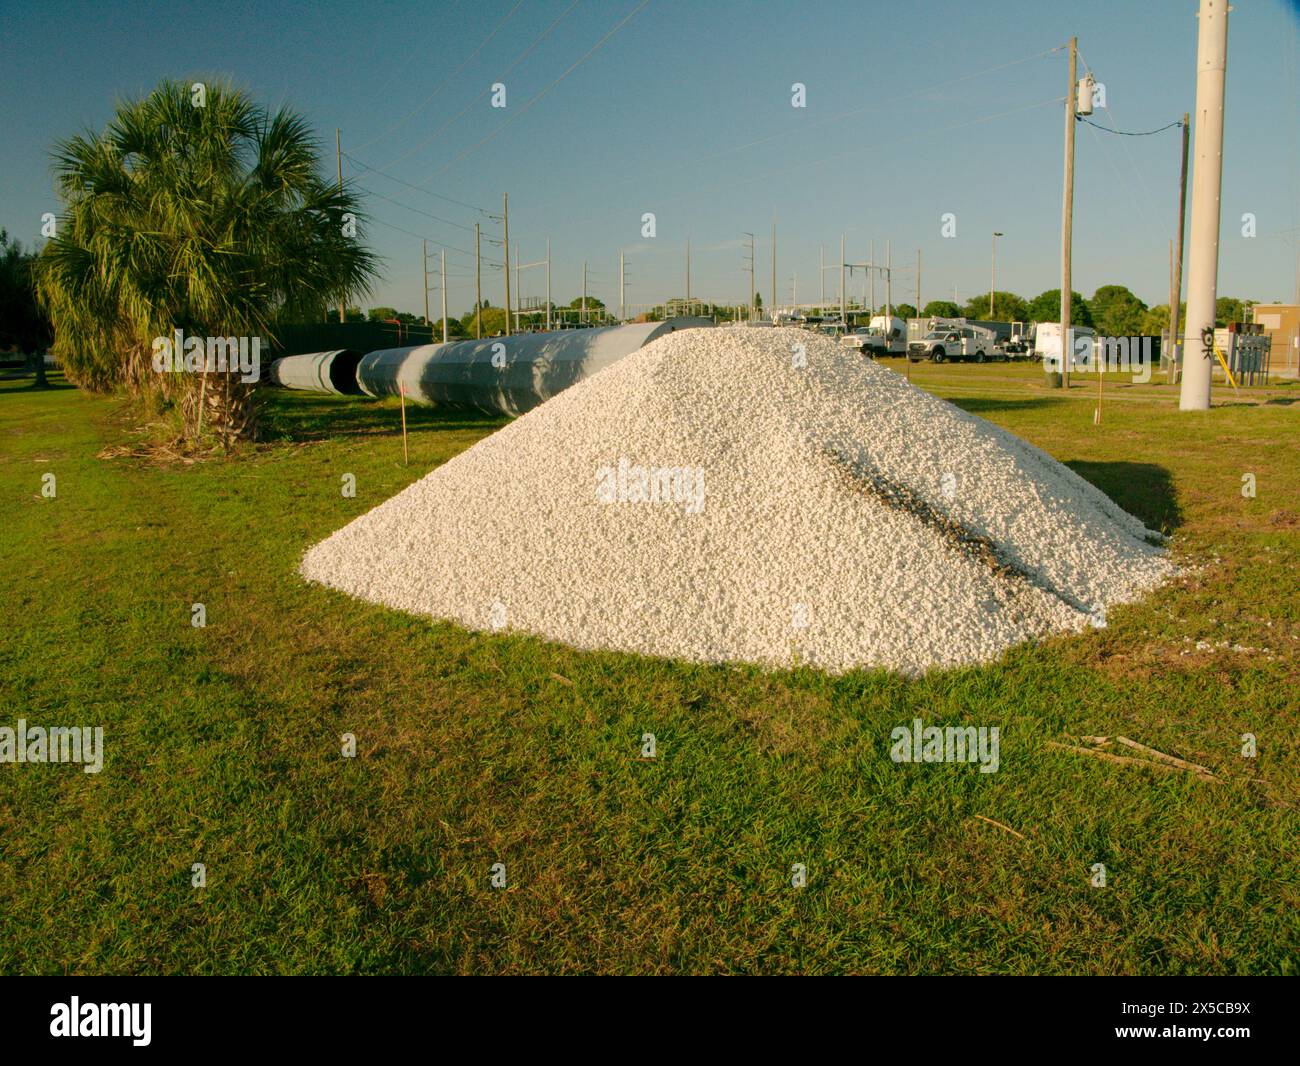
pixel 208 216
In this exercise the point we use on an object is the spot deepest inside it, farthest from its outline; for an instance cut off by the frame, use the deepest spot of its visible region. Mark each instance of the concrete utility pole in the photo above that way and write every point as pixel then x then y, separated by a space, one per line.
pixel 688 270
pixel 622 289
pixel 993 274
pixel 338 154
pixel 584 290
pixel 505 248
pixel 443 270
pixel 424 262
pixel 1067 214
pixel 821 262
pixel 1203 269
pixel 548 284
pixel 478 285
pixel 1176 285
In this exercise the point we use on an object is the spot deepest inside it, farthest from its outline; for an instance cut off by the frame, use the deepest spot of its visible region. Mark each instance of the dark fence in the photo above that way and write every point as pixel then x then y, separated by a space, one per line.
pixel 359 336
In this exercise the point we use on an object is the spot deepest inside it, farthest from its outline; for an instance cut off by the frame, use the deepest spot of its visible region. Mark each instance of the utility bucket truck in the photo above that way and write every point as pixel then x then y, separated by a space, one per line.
pixel 886 335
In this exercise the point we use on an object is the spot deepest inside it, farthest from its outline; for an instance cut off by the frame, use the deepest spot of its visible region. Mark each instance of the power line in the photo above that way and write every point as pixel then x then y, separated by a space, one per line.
pixel 432 240
pixel 445 82
pixel 519 114
pixel 461 114
pixel 836 118
pixel 418 211
pixel 417 188
pixel 1125 133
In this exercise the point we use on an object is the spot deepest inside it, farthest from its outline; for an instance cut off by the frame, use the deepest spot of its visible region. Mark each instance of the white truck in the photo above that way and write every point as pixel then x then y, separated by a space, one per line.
pixel 886 335
pixel 1047 345
pixel 953 341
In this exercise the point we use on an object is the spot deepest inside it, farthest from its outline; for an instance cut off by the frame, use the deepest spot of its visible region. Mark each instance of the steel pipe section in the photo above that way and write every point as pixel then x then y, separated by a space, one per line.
pixel 334 372
pixel 506 375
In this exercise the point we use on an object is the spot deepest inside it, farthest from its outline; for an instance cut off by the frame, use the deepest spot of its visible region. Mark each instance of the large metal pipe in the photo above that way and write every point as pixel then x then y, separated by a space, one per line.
pixel 334 372
pixel 506 375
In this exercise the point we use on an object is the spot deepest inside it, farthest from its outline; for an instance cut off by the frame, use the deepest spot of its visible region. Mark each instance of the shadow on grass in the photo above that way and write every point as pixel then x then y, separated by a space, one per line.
pixel 15 381
pixel 1144 490
pixel 979 404
pixel 307 416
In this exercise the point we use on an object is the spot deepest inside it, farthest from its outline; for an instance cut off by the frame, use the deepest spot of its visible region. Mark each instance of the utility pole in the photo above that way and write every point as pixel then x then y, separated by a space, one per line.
pixel 1067 214
pixel 1176 286
pixel 424 262
pixel 918 283
pixel 889 284
pixel 478 285
pixel 844 318
pixel 771 310
pixel 1203 268
pixel 519 286
pixel 505 248
pixel 338 154
pixel 584 291
pixel 751 277
pixel 443 271
pixel 993 274
pixel 821 261
pixel 548 284
pixel 622 288
pixel 688 272
pixel 871 273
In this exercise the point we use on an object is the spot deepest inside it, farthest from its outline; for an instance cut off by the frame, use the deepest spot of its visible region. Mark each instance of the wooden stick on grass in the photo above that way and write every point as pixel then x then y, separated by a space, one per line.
pixel 406 456
pixel 1020 836
pixel 1128 761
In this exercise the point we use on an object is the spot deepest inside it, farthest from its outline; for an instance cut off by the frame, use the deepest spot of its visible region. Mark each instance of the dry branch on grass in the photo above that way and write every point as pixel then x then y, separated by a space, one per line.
pixel 1158 761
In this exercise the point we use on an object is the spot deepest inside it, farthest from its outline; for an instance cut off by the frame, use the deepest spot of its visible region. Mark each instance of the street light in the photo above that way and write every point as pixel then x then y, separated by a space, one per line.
pixel 993 276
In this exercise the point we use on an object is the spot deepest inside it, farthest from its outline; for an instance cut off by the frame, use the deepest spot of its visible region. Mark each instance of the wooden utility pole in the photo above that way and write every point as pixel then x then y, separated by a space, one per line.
pixel 584 290
pixel 338 154
pixel 519 287
pixel 622 294
pixel 478 284
pixel 1067 213
pixel 871 275
pixel 771 310
pixel 505 248
pixel 548 284
pixel 443 271
pixel 844 318
pixel 918 283
pixel 821 262
pixel 751 276
pixel 1176 288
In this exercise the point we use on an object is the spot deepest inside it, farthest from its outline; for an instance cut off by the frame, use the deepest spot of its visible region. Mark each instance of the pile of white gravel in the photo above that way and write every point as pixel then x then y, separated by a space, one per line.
pixel 799 504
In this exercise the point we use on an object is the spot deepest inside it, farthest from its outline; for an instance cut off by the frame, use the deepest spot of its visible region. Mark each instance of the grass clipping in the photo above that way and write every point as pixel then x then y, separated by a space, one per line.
pixel 753 495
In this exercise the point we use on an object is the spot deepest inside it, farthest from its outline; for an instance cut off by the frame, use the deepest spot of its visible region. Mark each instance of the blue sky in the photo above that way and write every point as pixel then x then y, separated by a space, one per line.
pixel 913 111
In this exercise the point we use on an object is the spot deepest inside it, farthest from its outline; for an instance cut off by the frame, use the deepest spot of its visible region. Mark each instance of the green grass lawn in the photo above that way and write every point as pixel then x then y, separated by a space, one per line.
pixel 223 742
